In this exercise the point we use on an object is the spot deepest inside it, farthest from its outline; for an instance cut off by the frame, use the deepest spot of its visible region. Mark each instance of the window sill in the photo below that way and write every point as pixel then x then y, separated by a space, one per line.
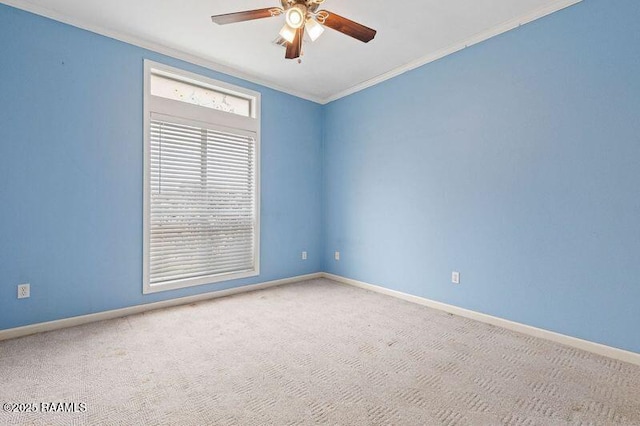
pixel 192 282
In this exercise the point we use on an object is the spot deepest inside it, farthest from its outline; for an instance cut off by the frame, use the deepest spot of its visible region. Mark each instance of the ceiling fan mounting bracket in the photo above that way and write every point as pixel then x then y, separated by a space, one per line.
pixel 311 5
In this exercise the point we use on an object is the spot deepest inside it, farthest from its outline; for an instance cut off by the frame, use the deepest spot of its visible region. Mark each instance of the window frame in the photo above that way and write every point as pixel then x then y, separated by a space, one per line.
pixel 155 105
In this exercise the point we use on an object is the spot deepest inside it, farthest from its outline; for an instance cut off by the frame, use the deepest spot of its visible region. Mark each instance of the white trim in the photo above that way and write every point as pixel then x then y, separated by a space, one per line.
pixel 585 345
pixel 215 66
pixel 156 47
pixel 219 120
pixel 597 348
pixel 477 38
pixel 146 171
pixel 26 330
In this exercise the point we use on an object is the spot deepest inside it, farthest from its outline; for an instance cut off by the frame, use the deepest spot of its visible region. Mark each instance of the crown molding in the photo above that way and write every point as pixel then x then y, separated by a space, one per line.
pixel 156 47
pixel 225 69
pixel 477 38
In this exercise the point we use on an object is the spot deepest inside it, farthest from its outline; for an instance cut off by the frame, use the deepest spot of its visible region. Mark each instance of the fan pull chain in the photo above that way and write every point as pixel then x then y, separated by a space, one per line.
pixel 301 46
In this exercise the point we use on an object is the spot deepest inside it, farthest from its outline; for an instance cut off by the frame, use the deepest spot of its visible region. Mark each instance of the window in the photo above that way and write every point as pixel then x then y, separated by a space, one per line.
pixel 201 180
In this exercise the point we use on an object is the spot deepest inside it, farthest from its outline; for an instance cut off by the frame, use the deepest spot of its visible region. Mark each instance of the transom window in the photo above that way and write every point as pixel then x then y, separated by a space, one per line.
pixel 201 210
pixel 201 95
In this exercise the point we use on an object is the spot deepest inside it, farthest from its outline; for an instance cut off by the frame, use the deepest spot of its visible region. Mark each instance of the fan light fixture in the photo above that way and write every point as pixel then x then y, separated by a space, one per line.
pixel 303 19
pixel 295 16
pixel 313 28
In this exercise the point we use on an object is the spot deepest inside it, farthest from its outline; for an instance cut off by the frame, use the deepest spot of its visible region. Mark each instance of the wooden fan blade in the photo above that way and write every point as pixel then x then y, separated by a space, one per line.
pixel 346 26
pixel 247 15
pixel 295 48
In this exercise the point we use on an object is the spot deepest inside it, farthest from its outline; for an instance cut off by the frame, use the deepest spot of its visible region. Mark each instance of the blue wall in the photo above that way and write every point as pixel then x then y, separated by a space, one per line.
pixel 71 173
pixel 515 162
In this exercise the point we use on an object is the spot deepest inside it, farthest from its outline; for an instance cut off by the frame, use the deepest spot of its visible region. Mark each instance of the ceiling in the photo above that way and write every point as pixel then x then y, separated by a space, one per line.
pixel 410 33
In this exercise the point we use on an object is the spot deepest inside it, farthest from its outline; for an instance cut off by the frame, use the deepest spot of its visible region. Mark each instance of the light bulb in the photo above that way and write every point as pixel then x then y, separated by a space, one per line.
pixel 295 16
pixel 288 33
pixel 313 29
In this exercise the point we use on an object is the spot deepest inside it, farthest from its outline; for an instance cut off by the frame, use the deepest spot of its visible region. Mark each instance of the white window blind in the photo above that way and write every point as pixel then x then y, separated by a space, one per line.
pixel 201 212
pixel 202 198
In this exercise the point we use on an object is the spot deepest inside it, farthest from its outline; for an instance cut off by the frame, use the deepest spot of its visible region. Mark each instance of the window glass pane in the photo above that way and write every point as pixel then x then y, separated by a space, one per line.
pixel 197 95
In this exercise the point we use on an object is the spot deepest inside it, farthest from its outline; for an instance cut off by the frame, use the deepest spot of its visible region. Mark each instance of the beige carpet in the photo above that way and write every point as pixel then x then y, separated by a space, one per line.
pixel 310 353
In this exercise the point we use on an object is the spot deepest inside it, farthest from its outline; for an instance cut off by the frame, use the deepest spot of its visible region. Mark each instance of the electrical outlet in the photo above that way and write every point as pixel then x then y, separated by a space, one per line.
pixel 336 255
pixel 304 255
pixel 24 291
pixel 455 277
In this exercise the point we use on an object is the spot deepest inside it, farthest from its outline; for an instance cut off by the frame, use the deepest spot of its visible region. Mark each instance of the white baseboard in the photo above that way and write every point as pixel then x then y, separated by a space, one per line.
pixel 26 330
pixel 585 345
pixel 597 348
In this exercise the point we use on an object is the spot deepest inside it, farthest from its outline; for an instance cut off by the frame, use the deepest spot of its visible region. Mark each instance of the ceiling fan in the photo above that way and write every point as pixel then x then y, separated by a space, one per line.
pixel 301 16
